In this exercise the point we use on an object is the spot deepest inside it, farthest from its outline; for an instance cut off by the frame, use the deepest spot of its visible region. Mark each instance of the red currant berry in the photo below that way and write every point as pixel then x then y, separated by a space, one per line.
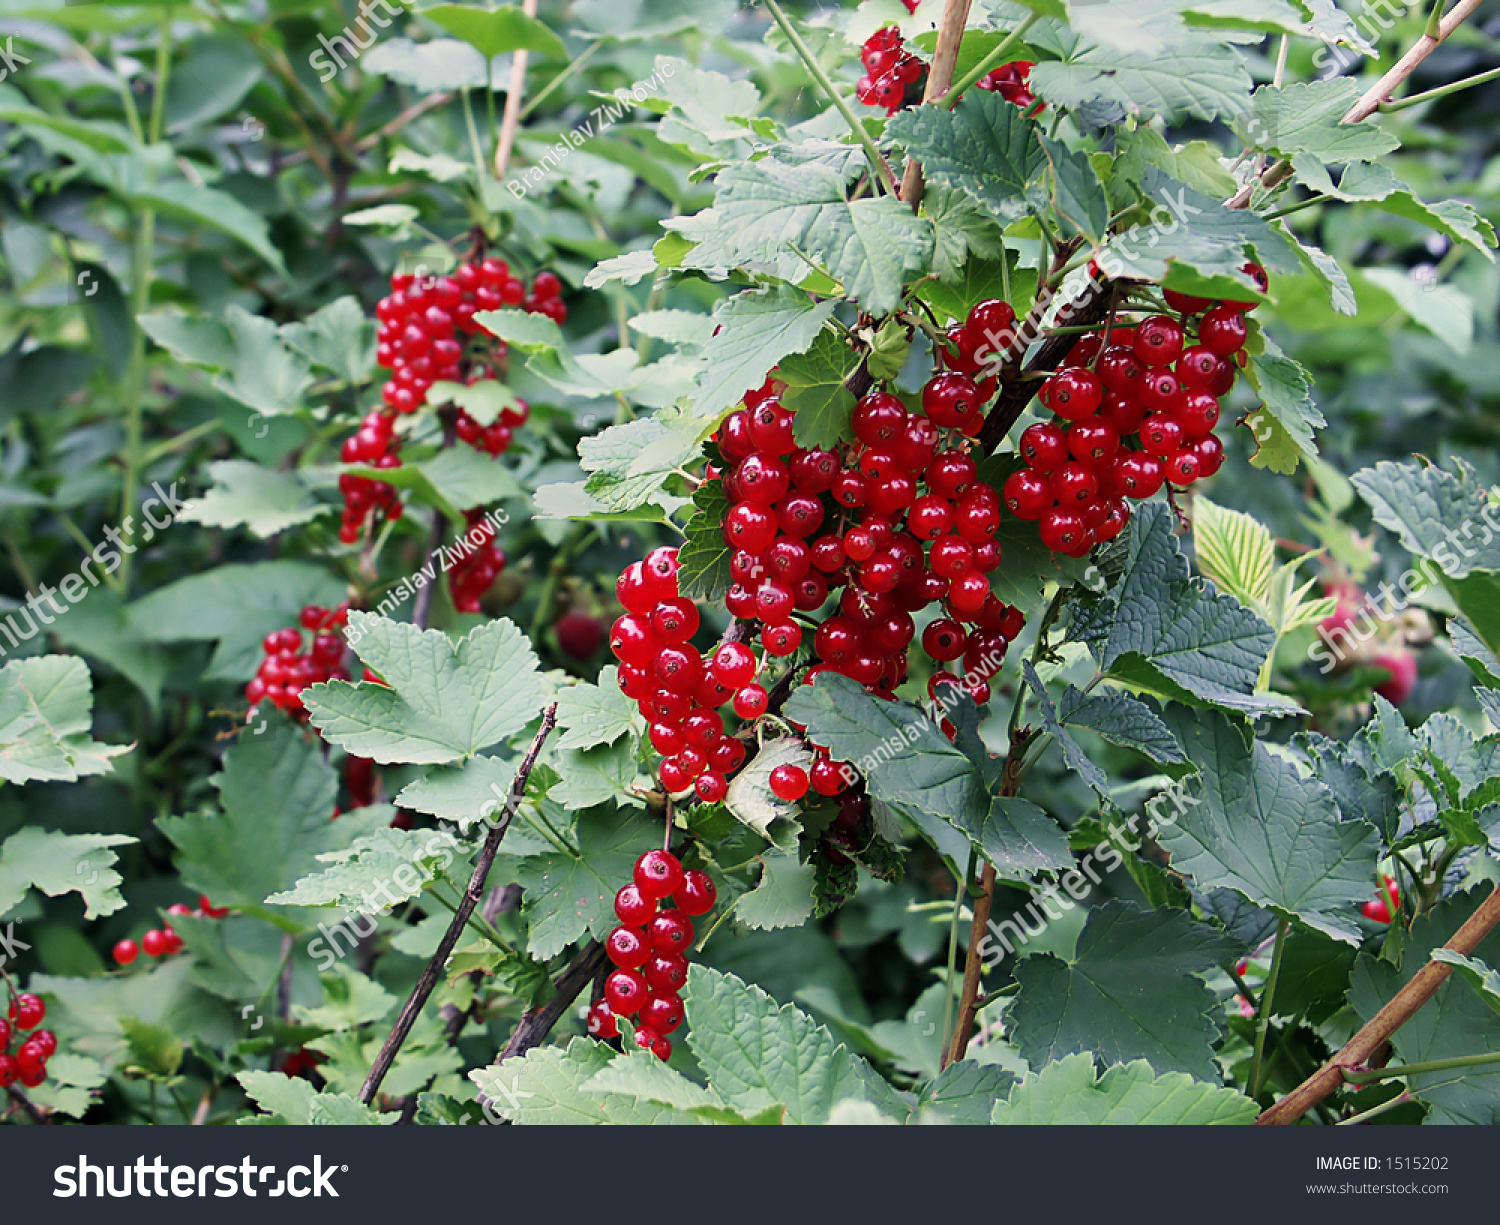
pixel 750 702
pixel 601 1022
pixel 634 907
pixel 697 894
pixel 670 932
pixel 625 991
pixel 667 972
pixel 1158 341
pixel 657 873
pixel 1027 494
pixel 1223 330
pixel 789 782
pixel 126 951
pixel 662 1012
pixel 627 948
pixel 950 400
pixel 734 665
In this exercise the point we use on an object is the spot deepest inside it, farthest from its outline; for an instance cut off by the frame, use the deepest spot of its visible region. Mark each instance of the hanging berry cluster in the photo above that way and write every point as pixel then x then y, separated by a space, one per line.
pixel 1130 415
pixel 1012 82
pixel 912 525
pixel 665 675
pixel 649 950
pixel 163 941
pixel 292 663
pixel 427 329
pixel 367 498
pixel 29 1063
pixel 495 438
pixel 471 574
pixel 893 75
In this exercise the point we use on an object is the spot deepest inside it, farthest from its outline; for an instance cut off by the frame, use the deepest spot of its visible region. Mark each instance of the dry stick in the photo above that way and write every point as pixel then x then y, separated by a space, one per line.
pixel 27 1106
pixel 968 1003
pixel 1402 1007
pixel 1371 99
pixel 939 77
pixel 510 122
pixel 472 896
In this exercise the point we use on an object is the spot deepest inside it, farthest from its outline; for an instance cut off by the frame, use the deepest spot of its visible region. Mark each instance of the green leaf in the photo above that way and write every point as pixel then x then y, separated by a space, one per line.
pixel 339 337
pixel 384 868
pixel 1459 1020
pixel 156 1051
pixel 750 797
pixel 1073 192
pixel 1256 825
pixel 568 895
pixel 1128 992
pixel 683 328
pixel 1158 628
pixel 1449 518
pixel 494 32
pixel 1233 549
pixel 1066 1092
pixel 254 366
pixel 1446 312
pixel 57 863
pixel 292 1100
pixel 1200 78
pixel 46 716
pixel 629 464
pixel 768 213
pixel 1284 425
pixel 442 701
pixel 237 605
pixel 484 400
pixel 1477 974
pixel 439 64
pixel 350 999
pixel 910 765
pixel 594 714
pixel 758 1055
pixel 549 1086
pixel 815 390
pixel 757 329
pixel 278 793
pixel 985 148
pixel 1198 232
pixel 1305 118
pixel 962 230
pixel 784 897
pixel 266 500
pixel 1115 717
pixel 704 556
pixel 963 1094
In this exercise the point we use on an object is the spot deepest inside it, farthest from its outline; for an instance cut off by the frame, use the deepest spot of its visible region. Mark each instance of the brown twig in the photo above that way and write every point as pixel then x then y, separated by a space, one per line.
pixel 472 897
pixel 27 1106
pixel 968 1003
pixel 939 77
pixel 1362 1048
pixel 533 1028
pixel 1369 102
pixel 510 121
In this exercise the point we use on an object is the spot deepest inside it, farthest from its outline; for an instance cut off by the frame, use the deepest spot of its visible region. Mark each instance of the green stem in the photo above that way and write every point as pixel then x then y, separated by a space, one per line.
pixel 559 79
pixel 1365 1116
pixel 996 56
pixel 142 268
pixel 474 148
pixel 1418 1069
pixel 1434 27
pixel 475 921
pixel 1298 207
pixel 878 168
pixel 958 900
pixel 1267 999
pixel 1442 91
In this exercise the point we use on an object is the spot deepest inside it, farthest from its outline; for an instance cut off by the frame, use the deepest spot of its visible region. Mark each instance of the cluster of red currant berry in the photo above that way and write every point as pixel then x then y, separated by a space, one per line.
pixel 914 525
pixel 649 950
pixel 425 322
pixel 374 445
pixel 893 75
pixel 163 941
pixel 290 666
pixel 665 674
pixel 495 438
pixel 1386 904
pixel 29 1063
pixel 1133 409
pixel 471 575
pixel 1012 82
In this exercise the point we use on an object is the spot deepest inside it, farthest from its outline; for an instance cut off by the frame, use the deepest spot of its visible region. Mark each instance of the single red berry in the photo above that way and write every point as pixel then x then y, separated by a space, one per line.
pixel 1223 330
pixel 1188 304
pixel 711 786
pixel 667 972
pixel 579 635
pixel 670 932
pixel 1043 446
pixel 1159 340
pixel 625 991
pixel 1073 393
pixel 662 1012
pixel 10 1071
pixel 634 907
pixel 789 782
pixel 750 701
pixel 627 947
pixel 950 400
pixel 1376 911
pixel 697 894
pixel 829 778
pixel 1027 494
pixel 657 873
pixel 602 1022
pixel 27 1010
pixel 126 951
